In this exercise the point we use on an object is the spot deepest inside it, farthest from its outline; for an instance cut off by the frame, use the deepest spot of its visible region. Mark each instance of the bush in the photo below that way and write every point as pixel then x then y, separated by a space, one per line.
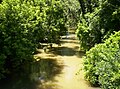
pixel 99 24
pixel 102 63
pixel 17 40
pixel 23 24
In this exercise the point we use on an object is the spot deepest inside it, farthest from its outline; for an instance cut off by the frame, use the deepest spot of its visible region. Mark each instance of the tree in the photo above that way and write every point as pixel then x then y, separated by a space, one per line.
pixel 101 63
pixel 23 24
pixel 71 8
pixel 82 5
pixel 99 24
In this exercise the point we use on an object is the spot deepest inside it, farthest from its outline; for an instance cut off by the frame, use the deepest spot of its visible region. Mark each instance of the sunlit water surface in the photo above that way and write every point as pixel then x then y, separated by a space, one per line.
pixel 56 69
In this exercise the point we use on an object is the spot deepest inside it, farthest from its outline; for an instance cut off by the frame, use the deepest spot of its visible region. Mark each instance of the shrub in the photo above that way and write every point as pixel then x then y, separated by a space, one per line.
pixel 102 63
pixel 16 35
pixel 23 24
pixel 98 24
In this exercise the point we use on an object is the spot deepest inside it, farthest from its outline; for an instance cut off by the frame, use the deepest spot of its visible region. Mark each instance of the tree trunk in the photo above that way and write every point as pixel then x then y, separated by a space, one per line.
pixel 89 6
pixel 82 5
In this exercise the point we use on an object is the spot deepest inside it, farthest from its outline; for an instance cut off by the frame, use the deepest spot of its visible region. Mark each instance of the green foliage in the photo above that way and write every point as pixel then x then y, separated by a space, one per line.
pixel 72 12
pixel 82 34
pixel 102 63
pixel 88 32
pixel 23 24
pixel 16 37
pixel 54 21
pixel 101 22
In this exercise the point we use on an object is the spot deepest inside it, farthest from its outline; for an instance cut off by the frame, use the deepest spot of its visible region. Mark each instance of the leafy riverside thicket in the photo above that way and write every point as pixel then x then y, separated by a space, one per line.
pixel 99 19
pixel 96 24
pixel 23 24
pixel 72 10
pixel 102 63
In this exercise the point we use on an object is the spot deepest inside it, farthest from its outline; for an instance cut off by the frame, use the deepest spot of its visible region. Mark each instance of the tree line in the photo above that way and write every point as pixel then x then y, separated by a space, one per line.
pixel 99 35
pixel 23 25
pixel 26 23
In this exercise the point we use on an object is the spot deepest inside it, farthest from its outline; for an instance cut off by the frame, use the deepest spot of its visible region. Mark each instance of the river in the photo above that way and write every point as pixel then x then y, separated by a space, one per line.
pixel 60 67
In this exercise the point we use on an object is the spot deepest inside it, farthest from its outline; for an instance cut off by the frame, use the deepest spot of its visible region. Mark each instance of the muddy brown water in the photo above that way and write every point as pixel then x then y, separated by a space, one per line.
pixel 70 57
pixel 56 69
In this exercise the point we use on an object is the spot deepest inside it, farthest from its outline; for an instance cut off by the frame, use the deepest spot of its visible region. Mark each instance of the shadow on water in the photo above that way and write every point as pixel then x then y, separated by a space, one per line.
pixel 80 54
pixel 63 51
pixel 68 41
pixel 33 75
pixel 66 51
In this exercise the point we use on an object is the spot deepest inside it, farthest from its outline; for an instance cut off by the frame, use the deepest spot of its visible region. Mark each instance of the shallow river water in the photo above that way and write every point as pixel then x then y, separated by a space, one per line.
pixel 70 57
pixel 57 68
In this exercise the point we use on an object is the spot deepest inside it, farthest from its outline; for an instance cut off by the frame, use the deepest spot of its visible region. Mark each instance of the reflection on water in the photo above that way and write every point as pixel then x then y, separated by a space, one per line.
pixel 49 72
pixel 34 74
pixel 63 51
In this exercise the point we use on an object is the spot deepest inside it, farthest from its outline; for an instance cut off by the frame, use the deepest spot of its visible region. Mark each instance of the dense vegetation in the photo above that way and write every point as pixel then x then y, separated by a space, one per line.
pixel 72 12
pixel 99 19
pixel 23 25
pixel 102 63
